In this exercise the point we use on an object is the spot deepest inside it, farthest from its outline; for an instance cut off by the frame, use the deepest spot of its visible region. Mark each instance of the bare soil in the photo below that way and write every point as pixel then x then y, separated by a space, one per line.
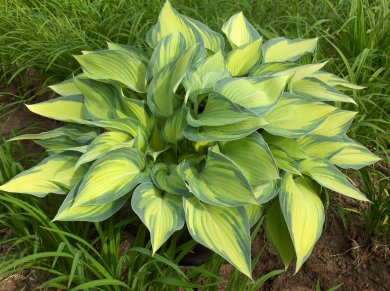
pixel 341 256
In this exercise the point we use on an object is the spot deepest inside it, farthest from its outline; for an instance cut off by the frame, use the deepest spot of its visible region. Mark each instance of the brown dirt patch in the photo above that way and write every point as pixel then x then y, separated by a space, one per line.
pixel 347 257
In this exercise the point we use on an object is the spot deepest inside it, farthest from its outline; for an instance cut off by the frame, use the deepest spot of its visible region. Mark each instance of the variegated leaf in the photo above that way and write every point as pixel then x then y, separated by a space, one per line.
pixel 168 178
pixel 92 213
pixel 162 213
pixel 278 234
pixel 124 67
pixel 242 59
pixel 303 212
pixel 252 155
pixel 294 117
pixel 45 178
pixel 225 230
pixel 255 94
pixel 111 177
pixel 239 31
pixel 327 175
pixel 318 90
pixel 67 108
pixel 218 181
pixel 283 49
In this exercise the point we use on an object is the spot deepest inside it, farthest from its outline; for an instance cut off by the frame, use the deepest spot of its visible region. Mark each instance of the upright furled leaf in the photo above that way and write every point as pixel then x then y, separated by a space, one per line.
pixel 67 108
pixel 202 78
pixel 212 40
pixel 294 117
pixel 45 178
pixel 225 230
pixel 277 233
pixel 111 177
pixel 242 59
pixel 91 213
pixel 173 129
pixel 170 21
pixel 283 49
pixel 162 213
pixel 255 94
pixel 303 212
pixel 169 179
pixel 168 50
pixel 318 90
pixel 252 155
pixel 123 67
pixel 327 175
pixel 239 31
pixel 218 181
pixel 161 94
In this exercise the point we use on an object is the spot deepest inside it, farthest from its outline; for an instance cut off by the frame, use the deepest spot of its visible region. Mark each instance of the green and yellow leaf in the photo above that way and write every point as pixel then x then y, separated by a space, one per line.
pixel 303 212
pixel 173 128
pixel 242 59
pixel 327 175
pixel 294 117
pixel 254 213
pixel 168 178
pixel 252 155
pixel 161 94
pixel 112 176
pixel 224 132
pixel 162 213
pixel 115 65
pixel 335 124
pixel 335 81
pixel 101 100
pixel 283 49
pixel 45 177
pixel 67 108
pixel 293 71
pixel 168 50
pixel 218 182
pixel 318 90
pixel 278 234
pixel 255 94
pixel 225 230
pixel 267 190
pixel 66 88
pixel 201 80
pixel 92 213
pixel 239 31
pixel 103 144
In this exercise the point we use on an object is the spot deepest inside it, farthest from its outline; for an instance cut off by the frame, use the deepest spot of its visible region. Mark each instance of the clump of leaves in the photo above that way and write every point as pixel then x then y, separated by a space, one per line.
pixel 200 134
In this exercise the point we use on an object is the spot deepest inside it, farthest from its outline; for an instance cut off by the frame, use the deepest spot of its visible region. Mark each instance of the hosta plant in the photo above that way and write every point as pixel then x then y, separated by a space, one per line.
pixel 200 131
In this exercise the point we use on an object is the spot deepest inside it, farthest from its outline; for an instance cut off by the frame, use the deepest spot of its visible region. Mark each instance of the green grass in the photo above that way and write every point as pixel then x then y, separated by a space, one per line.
pixel 37 41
